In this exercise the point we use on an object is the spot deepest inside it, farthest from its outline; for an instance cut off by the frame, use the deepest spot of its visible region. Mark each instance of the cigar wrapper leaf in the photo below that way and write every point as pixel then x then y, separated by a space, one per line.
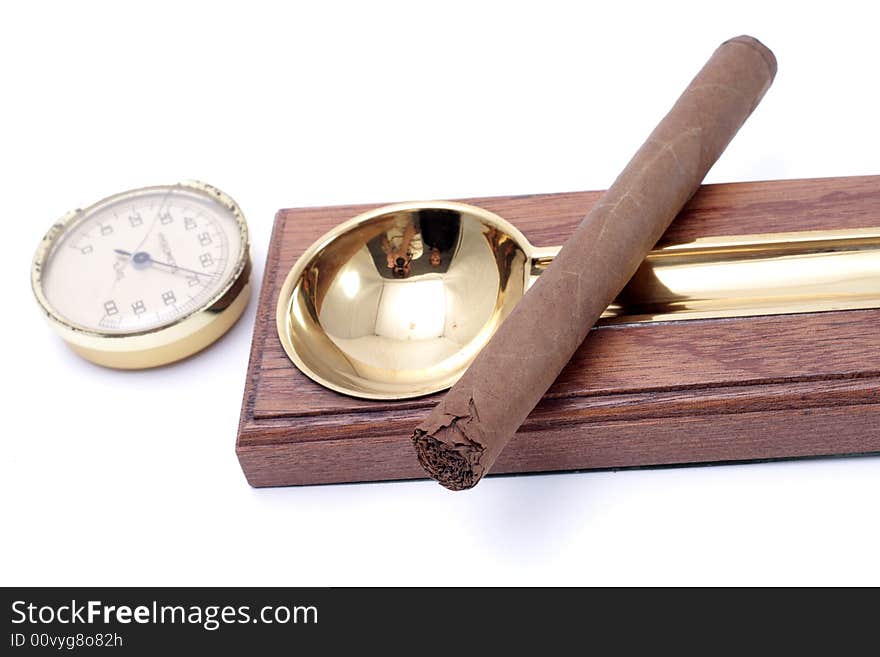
pixel 464 434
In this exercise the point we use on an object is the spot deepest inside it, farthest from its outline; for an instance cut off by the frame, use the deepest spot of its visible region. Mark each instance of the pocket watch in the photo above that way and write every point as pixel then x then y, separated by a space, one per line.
pixel 145 277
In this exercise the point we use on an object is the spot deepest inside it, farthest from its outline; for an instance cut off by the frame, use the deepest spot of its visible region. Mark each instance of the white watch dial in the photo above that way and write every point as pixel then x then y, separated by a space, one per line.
pixel 142 260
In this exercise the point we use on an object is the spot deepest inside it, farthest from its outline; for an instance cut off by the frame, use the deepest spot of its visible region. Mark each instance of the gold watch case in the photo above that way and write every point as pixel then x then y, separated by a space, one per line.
pixel 164 344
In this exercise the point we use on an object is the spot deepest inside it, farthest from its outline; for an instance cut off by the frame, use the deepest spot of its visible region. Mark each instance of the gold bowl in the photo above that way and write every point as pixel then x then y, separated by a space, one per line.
pixel 396 302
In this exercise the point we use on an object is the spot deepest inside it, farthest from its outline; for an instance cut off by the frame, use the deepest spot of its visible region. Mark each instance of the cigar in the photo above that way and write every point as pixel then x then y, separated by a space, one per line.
pixel 464 434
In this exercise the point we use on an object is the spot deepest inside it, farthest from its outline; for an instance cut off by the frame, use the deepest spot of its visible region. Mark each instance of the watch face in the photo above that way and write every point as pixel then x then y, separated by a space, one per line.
pixel 142 260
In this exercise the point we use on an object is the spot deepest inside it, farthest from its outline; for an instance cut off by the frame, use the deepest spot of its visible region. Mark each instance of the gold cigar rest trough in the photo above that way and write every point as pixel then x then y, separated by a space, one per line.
pixel 396 302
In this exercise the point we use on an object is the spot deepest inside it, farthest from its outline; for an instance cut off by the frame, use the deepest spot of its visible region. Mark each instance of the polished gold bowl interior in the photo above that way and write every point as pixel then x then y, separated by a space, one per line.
pixel 395 303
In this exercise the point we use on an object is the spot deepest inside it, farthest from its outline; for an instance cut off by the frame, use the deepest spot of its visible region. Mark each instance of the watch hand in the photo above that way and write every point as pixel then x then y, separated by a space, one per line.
pixel 144 257
pixel 155 219
pixel 152 224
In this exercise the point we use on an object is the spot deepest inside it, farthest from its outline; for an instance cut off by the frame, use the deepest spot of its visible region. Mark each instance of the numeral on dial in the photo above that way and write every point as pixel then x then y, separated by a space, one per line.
pixel 135 219
pixel 165 217
pixel 205 239
pixel 206 259
pixel 138 307
pixel 169 298
pixel 192 281
pixel 189 223
pixel 110 308
pixel 106 229
pixel 87 249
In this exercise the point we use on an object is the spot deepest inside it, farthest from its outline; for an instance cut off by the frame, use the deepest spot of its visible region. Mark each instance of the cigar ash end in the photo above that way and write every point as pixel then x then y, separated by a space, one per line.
pixel 449 466
pixel 449 456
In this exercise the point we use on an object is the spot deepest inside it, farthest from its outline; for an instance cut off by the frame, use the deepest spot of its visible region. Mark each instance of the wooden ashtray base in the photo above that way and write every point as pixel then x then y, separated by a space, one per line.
pixel 696 391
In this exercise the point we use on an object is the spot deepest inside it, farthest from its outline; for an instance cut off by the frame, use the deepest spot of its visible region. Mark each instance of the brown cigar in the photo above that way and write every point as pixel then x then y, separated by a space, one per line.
pixel 464 434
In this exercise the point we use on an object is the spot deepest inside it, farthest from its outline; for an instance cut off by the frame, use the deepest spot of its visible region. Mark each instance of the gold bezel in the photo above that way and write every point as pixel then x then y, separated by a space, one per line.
pixel 161 344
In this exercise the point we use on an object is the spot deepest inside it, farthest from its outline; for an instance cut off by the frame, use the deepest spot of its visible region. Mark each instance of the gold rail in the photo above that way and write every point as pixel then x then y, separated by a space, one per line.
pixel 770 274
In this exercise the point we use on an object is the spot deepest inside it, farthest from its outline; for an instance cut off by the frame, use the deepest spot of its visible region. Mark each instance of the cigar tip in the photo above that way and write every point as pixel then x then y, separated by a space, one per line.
pixel 449 466
pixel 765 52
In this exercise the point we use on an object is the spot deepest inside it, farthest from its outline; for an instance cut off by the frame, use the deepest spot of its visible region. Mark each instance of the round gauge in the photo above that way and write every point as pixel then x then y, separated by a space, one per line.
pixel 145 277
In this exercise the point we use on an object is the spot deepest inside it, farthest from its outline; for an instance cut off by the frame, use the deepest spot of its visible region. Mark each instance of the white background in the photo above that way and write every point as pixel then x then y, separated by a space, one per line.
pixel 114 478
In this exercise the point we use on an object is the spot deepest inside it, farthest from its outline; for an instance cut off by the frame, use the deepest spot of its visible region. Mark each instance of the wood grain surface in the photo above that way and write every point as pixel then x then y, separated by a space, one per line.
pixel 644 394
